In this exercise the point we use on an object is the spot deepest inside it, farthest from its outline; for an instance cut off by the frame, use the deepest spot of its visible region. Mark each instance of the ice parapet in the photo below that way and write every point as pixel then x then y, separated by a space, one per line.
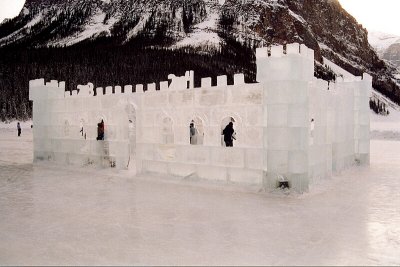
pixel 288 126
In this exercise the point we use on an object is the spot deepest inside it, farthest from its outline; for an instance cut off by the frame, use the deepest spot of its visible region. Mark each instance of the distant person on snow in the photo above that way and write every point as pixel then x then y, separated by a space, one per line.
pixel 19 129
pixel 229 135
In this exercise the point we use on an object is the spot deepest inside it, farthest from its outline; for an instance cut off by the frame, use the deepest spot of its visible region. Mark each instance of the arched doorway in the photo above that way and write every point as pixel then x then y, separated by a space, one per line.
pixel 224 124
pixel 196 130
pixel 101 129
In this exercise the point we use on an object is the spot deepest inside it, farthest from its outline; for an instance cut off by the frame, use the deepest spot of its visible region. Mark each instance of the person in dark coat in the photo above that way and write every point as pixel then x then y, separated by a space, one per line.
pixel 19 129
pixel 192 133
pixel 228 133
pixel 100 130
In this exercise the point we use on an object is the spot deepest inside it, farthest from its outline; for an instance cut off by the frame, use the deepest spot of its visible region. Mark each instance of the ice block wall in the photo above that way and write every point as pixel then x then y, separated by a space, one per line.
pixel 311 128
pixel 164 145
pixel 343 127
pixel 65 126
pixel 285 79
pixel 321 118
pixel 289 126
pixel 362 121
pixel 43 96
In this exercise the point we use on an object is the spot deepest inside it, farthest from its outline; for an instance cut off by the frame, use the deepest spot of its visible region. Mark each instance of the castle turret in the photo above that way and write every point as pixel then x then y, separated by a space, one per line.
pixel 285 78
pixel 40 93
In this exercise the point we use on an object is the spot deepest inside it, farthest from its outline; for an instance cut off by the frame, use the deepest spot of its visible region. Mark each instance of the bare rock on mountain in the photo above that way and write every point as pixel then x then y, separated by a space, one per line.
pixel 322 25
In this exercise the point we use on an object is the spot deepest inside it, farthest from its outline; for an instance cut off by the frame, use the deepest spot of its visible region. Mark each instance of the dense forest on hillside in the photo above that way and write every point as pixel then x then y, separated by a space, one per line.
pixel 104 64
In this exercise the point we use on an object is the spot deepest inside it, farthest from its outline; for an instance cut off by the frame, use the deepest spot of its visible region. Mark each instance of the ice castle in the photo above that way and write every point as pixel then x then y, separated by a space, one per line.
pixel 290 126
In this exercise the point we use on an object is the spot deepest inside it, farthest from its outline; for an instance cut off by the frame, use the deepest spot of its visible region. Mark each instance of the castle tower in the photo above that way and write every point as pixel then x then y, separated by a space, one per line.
pixel 285 78
pixel 41 94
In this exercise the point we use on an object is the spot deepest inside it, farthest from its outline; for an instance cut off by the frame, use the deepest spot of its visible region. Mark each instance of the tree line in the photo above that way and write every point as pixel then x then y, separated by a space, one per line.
pixel 103 63
pixel 378 106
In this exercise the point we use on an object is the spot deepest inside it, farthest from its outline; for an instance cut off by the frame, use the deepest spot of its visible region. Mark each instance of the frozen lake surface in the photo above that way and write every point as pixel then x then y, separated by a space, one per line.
pixel 52 215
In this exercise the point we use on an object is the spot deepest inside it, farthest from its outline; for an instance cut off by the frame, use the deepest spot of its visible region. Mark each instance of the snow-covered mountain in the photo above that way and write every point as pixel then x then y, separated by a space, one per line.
pixel 54 23
pixel 382 41
pixel 322 25
pixel 387 46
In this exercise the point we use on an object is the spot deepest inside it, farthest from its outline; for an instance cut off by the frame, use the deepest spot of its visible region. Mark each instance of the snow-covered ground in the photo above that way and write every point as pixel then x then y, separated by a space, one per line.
pixel 54 215
pixel 13 124
pixel 386 127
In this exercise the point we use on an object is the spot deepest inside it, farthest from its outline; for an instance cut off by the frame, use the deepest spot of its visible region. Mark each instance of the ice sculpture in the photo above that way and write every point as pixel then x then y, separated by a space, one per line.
pixel 289 126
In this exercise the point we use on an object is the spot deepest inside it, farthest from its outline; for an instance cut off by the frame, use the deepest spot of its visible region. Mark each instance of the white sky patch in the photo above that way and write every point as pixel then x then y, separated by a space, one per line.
pixel 203 33
pixel 94 28
pixel 10 8
pixel 382 15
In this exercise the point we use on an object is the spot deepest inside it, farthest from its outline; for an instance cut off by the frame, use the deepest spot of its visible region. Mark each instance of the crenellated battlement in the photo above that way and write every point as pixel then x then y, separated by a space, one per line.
pixel 273 63
pixel 38 89
pixel 290 124
pixel 280 51
pixel 53 89
pixel 292 62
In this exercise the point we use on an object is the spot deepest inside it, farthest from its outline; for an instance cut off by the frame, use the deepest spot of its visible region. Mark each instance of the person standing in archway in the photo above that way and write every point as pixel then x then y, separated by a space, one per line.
pixel 100 130
pixel 228 133
pixel 193 134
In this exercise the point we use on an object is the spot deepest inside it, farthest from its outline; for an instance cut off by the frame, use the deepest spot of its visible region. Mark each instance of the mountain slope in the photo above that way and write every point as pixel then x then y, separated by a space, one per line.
pixel 210 27
pixel 387 46
pixel 382 41
pixel 392 54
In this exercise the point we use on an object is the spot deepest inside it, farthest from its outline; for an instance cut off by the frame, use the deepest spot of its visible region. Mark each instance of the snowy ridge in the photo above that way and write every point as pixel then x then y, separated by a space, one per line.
pixel 94 28
pixel 139 26
pixel 341 57
pixel 203 34
pixel 385 100
pixel 298 17
pixel 381 41
pixel 19 34
pixel 339 71
pixel 204 24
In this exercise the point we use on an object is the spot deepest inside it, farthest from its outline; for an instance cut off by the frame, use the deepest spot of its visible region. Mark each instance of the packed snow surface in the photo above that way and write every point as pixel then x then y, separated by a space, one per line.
pixel 386 127
pixel 54 215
